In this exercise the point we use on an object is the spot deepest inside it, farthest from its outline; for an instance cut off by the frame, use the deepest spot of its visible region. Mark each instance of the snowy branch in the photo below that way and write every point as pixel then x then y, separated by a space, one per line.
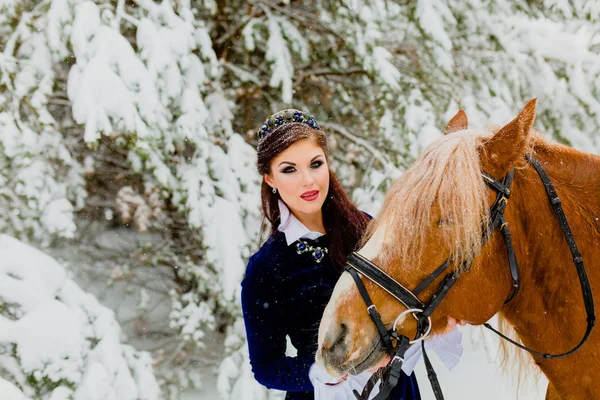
pixel 301 16
pixel 302 75
pixel 359 141
pixel 233 30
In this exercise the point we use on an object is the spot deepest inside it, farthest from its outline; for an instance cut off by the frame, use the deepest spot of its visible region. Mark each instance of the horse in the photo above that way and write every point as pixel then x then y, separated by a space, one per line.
pixel 439 210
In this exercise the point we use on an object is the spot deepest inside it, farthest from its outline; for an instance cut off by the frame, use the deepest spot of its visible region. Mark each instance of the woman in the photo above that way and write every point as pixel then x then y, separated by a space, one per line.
pixel 289 280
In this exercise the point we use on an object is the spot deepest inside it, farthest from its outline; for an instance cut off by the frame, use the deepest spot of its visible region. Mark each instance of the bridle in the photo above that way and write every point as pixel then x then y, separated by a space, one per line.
pixel 396 345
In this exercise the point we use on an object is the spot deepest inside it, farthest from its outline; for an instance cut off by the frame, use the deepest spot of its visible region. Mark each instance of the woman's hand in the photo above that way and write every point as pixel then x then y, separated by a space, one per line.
pixel 452 322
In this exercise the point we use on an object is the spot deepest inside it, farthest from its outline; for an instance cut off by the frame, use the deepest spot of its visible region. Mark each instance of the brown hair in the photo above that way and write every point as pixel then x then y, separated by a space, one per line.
pixel 343 222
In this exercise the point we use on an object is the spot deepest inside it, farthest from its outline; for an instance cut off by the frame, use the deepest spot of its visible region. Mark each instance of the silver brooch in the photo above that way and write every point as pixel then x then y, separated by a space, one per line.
pixel 317 252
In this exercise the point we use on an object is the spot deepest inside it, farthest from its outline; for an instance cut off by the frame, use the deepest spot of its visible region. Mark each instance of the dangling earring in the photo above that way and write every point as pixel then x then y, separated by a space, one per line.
pixel 274 190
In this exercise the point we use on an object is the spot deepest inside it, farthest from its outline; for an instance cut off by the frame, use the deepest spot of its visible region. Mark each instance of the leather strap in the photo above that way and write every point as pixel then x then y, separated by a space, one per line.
pixel 499 221
pixel 384 281
pixel 435 383
pixel 372 310
pixel 427 281
pixel 439 295
pixel 512 261
pixel 390 374
pixel 588 296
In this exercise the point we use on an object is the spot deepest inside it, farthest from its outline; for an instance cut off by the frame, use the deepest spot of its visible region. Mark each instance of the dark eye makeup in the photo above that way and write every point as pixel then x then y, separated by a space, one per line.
pixel 314 165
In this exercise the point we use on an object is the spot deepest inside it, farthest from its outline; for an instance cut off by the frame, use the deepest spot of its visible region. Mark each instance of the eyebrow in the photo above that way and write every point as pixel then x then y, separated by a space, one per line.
pixel 294 164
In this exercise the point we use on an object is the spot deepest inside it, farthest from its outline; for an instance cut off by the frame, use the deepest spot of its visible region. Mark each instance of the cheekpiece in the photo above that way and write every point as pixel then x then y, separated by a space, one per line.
pixel 286 117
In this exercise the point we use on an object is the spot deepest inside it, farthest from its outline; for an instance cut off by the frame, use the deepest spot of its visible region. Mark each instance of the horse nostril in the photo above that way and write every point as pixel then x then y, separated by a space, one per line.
pixel 338 349
pixel 343 332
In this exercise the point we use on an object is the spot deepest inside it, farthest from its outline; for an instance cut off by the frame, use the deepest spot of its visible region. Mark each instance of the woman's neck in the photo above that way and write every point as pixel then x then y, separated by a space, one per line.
pixel 314 222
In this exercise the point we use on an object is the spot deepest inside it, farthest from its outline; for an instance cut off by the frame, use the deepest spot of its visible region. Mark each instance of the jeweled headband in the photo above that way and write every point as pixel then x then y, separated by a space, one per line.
pixel 286 117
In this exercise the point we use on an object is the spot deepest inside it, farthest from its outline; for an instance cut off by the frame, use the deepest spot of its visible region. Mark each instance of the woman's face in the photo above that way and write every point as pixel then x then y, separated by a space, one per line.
pixel 301 175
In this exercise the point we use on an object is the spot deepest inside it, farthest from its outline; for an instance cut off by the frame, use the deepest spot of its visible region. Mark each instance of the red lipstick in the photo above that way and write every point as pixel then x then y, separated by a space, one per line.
pixel 310 195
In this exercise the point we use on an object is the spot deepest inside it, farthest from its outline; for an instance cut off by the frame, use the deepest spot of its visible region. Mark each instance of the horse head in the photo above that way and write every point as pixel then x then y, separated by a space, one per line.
pixel 437 210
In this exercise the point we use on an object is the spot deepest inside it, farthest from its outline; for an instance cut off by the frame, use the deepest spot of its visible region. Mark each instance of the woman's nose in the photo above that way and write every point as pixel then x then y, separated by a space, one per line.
pixel 307 178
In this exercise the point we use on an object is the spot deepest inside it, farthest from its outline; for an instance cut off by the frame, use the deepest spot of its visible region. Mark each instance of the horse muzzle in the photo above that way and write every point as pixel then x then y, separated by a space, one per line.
pixel 344 350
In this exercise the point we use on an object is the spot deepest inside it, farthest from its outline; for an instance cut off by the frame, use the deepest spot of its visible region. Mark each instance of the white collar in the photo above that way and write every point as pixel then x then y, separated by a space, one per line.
pixel 292 227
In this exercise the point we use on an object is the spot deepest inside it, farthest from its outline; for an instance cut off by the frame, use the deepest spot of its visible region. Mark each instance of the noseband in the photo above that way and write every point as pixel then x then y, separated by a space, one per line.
pixel 396 345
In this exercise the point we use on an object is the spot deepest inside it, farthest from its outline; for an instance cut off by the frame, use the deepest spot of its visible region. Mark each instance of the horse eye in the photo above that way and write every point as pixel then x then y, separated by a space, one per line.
pixel 445 221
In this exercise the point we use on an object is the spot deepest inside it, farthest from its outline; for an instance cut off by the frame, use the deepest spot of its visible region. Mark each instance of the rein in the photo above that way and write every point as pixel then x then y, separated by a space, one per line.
pixel 396 345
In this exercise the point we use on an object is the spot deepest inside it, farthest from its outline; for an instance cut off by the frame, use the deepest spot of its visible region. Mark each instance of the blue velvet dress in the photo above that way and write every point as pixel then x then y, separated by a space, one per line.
pixel 285 293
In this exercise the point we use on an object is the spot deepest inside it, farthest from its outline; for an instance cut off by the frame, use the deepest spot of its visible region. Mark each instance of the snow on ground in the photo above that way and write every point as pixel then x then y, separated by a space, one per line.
pixel 58 342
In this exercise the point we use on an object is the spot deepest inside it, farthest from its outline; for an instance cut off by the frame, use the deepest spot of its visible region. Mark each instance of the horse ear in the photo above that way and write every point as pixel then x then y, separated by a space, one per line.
pixel 457 123
pixel 507 145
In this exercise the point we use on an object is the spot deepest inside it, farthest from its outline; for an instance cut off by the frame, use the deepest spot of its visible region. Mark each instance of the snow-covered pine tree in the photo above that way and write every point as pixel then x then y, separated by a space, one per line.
pixel 136 115
pixel 41 183
pixel 488 58
pixel 58 342
pixel 128 97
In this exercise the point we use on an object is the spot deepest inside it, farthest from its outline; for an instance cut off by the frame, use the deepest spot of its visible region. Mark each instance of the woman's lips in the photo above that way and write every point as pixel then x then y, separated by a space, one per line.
pixel 310 196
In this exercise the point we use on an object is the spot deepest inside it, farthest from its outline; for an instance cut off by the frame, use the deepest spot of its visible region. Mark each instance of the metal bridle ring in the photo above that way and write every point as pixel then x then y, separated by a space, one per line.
pixel 413 311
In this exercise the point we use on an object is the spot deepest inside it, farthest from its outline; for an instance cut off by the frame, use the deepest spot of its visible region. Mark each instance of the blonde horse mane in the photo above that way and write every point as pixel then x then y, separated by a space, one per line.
pixel 446 178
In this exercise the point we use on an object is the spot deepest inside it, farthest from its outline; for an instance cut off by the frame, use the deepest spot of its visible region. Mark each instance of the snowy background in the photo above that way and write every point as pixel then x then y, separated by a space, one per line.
pixel 129 201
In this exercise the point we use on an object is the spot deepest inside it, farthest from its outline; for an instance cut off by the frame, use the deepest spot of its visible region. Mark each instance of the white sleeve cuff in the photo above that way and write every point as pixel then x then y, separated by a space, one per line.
pixel 319 375
pixel 447 347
